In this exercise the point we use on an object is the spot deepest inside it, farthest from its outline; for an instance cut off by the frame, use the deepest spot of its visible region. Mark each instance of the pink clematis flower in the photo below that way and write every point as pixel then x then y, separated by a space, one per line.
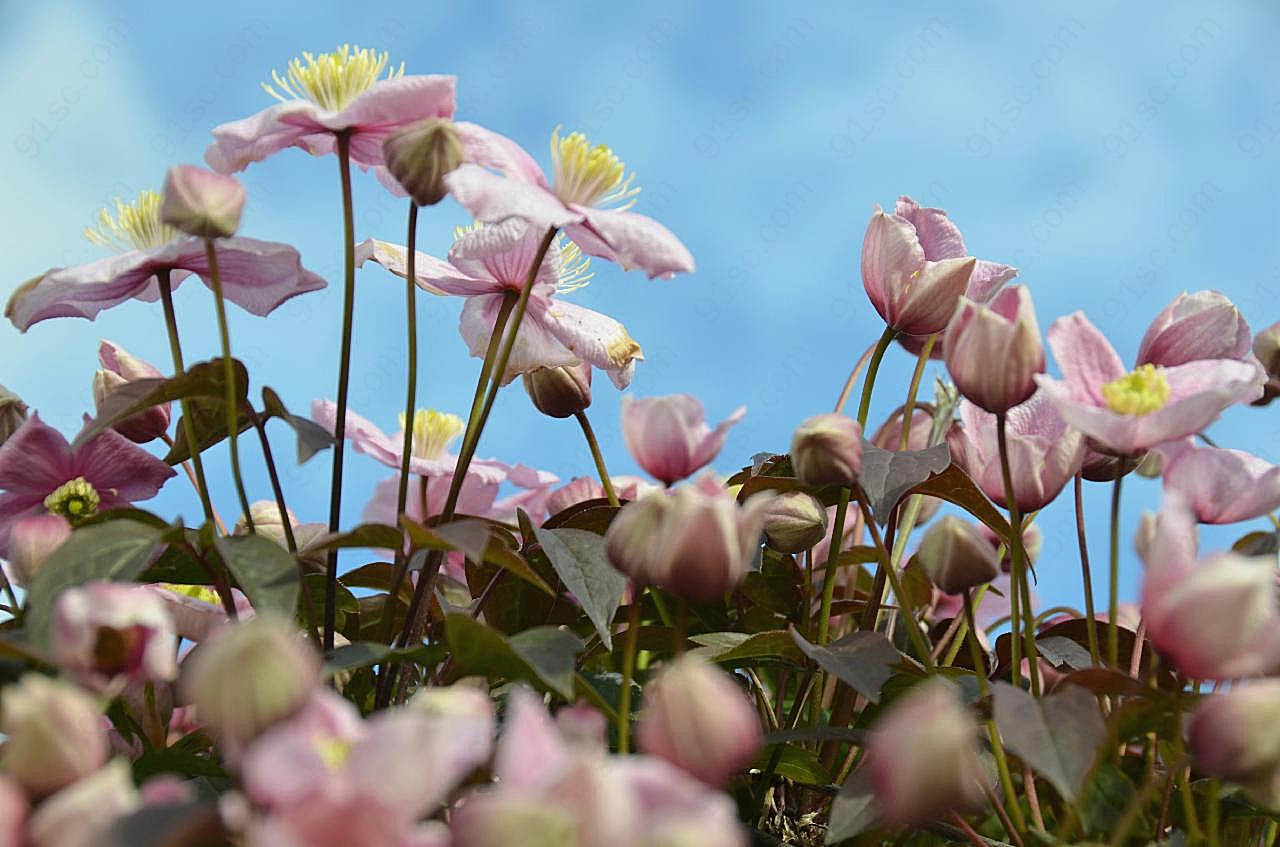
pixel 1204 325
pixel 1044 452
pixel 669 436
pixel 488 263
pixel 583 488
pixel 585 182
pixel 256 275
pixel 108 634
pixel 345 92
pixel 1221 486
pixel 1128 413
pixel 196 610
pixel 40 472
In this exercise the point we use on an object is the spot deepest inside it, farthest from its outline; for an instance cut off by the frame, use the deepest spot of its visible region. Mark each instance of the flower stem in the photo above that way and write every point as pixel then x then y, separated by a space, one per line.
pixel 230 391
pixel 597 457
pixel 344 378
pixel 908 411
pixel 829 569
pixel 411 386
pixel 918 639
pixel 628 670
pixel 1113 604
pixel 1091 622
pixel 188 424
pixel 1019 555
pixel 873 368
pixel 997 746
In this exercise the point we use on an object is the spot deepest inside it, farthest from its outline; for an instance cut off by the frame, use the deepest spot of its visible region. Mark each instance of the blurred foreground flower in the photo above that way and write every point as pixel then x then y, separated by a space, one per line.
pixel 1221 486
pixel 55 734
pixel 1233 736
pixel 109 633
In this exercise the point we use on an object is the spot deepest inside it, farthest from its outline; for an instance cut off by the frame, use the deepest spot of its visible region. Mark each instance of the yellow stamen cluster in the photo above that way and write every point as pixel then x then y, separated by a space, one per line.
pixel 74 500
pixel 589 176
pixel 196 592
pixel 1140 392
pixel 432 432
pixel 331 80
pixel 575 268
pixel 135 226
pixel 333 751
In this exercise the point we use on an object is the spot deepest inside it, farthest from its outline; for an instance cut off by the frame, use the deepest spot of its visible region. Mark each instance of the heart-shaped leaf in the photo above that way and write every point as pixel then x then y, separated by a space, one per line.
pixel 579 560
pixel 267 574
pixel 862 660
pixel 886 476
pixel 1058 735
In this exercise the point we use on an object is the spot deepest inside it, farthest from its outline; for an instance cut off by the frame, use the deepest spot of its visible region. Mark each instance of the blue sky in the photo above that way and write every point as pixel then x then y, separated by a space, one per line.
pixel 1116 153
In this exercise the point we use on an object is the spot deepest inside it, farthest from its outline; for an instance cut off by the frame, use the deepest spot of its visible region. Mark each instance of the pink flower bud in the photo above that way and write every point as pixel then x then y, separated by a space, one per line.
pixel 698 719
pixel 669 437
pixel 827 450
pixel 582 726
pixel 560 392
pixel 956 556
pixel 913 295
pixel 13 813
pixel 202 203
pixel 13 413
pixel 110 633
pixel 119 369
pixel 1266 347
pixel 55 734
pixel 420 155
pixel 794 522
pixel 923 756
pixel 1233 734
pixel 994 351
pixel 1204 325
pixel 32 540
pixel 82 814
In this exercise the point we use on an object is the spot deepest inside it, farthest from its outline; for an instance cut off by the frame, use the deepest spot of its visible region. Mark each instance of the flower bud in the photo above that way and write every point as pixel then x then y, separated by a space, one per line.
pixel 1203 325
pixel 249 677
pixel 109 633
pixel 994 351
pixel 421 155
pixel 1233 734
pixel 914 295
pixel 119 369
pixel 13 413
pixel 500 819
pixel 956 556
pixel 267 521
pixel 202 203
pixel 560 392
pixel 827 450
pixel 13 813
pixel 82 814
pixel 669 436
pixel 699 720
pixel 794 521
pixel 55 734
pixel 1266 346
pixel 32 540
pixel 923 756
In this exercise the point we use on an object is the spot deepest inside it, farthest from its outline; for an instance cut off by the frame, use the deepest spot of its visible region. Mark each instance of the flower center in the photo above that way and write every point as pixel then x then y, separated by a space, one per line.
pixel 118 651
pixel 333 751
pixel 74 500
pixel 575 267
pixel 1140 392
pixel 589 176
pixel 202 593
pixel 432 432
pixel 135 226
pixel 331 80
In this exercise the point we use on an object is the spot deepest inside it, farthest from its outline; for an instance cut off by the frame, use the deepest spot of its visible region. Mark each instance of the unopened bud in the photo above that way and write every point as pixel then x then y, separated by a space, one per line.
pixel 956 556
pixel 13 413
pixel 1266 346
pixel 202 203
pixel 794 521
pixel 827 450
pixel 55 734
pixel 421 155
pixel 1233 734
pixel 560 392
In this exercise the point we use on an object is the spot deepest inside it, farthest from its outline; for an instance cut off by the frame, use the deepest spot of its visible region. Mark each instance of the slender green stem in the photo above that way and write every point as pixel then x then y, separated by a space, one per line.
pixel 1213 816
pixel 873 368
pixel 853 377
pixel 1019 556
pixel 908 411
pixel 830 569
pixel 411 386
pixel 997 746
pixel 1113 604
pixel 629 669
pixel 917 637
pixel 597 457
pixel 188 424
pixel 230 391
pixel 344 379
pixel 1091 620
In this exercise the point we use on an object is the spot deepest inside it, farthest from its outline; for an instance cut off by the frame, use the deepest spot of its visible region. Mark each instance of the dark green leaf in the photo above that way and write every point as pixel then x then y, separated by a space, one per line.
pixel 543 656
pixel 886 476
pixel 1058 735
pixel 579 560
pixel 1257 544
pixel 795 763
pixel 853 811
pixel 1106 798
pixel 312 438
pixel 862 660
pixel 374 536
pixel 591 515
pixel 738 649
pixel 955 486
pixel 209 419
pixel 192 824
pixel 265 571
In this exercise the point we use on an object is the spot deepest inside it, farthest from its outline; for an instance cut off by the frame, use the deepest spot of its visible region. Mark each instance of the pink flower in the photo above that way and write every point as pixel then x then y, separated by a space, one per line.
pixel 1127 413
pixel 585 182
pixel 197 610
pixel 256 275
pixel 54 734
pixel 119 369
pixel 940 239
pixel 487 264
pixel 1044 452
pixel 583 488
pixel 1005 332
pixel 13 813
pixel 1221 486
pixel 1214 620
pixel 82 814
pixel 32 540
pixel 1204 325
pixel 320 96
pixel 1232 736
pixel 669 437
pixel 107 634
pixel 40 472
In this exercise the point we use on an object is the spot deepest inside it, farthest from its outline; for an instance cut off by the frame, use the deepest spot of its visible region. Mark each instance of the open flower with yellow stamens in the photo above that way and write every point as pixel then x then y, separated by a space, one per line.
pixel 256 275
pixel 589 196
pixel 41 473
pixel 1126 413
pixel 351 90
pixel 486 264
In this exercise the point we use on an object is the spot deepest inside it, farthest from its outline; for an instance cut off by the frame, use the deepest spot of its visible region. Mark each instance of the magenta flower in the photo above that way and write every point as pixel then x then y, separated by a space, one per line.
pixel 108 634
pixel 1221 486
pixel 1204 325
pixel 256 275
pixel 586 181
pixel 1127 413
pixel 486 264
pixel 40 472
pixel 345 91
pixel 669 436
pixel 1044 452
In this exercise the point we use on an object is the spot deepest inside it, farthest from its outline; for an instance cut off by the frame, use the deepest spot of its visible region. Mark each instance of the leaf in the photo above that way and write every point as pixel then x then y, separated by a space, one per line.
pixel 362 654
pixel 795 763
pixel 579 560
pixel 862 660
pixel 591 515
pixel 735 648
pixel 209 420
pixel 266 572
pixel 1106 798
pixel 190 824
pixel 955 486
pixel 1257 544
pixel 817 733
pixel 118 551
pixel 312 438
pixel 886 476
pixel 544 656
pixel 1061 652
pixel 853 811
pixel 1058 735
pixel 373 536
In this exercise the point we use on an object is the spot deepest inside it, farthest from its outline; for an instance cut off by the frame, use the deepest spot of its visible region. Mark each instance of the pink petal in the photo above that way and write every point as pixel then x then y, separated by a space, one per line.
pixel 711 444
pixel 431 274
pixel 35 460
pixel 1223 486
pixel 256 275
pixel 388 106
pixel 890 252
pixel 1085 356
pixel 531 754
pixel 114 465
pixel 485 147
pixel 633 241
pixel 594 338
pixel 294 124
pixel 986 279
pixel 939 237
pixel 504 253
pixel 492 198
pixel 85 290
pixel 536 346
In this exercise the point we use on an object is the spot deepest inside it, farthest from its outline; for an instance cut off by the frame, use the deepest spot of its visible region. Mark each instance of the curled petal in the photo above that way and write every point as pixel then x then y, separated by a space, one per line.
pixel 633 241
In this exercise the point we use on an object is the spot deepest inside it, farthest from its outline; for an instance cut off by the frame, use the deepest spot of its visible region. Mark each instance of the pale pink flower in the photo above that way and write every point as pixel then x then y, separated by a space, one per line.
pixel 486 265
pixel 119 369
pixel 1221 486
pixel 40 472
pixel 669 436
pixel 54 734
pixel 1204 325
pixel 993 351
pixel 1127 413
pixel 197 611
pixel 82 814
pixel 583 488
pixel 109 633
pixel 940 239
pixel 1232 736
pixel 585 182
pixel 32 540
